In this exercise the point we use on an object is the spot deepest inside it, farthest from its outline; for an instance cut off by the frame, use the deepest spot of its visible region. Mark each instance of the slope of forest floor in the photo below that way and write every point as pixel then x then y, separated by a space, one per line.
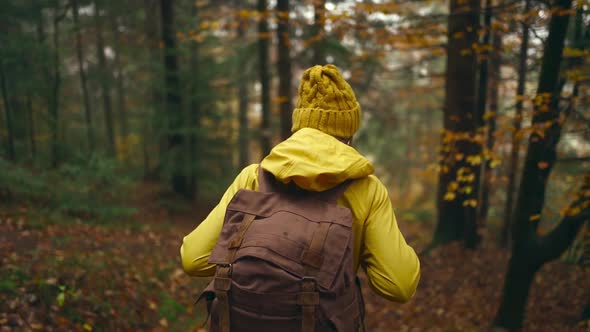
pixel 79 276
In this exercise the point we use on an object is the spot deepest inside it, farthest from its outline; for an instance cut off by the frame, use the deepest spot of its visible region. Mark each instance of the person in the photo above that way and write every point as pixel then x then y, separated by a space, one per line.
pixel 317 157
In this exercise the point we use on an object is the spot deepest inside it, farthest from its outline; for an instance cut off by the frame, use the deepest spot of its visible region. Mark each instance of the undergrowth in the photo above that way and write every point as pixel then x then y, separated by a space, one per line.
pixel 95 189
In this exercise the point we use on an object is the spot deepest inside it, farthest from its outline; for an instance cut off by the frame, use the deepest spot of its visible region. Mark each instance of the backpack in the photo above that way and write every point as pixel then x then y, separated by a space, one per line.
pixel 284 263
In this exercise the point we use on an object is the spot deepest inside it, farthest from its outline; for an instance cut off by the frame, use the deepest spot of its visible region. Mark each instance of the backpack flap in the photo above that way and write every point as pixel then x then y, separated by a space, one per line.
pixel 283 232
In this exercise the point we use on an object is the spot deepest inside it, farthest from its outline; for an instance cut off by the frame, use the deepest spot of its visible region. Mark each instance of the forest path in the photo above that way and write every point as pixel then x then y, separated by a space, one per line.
pixel 127 277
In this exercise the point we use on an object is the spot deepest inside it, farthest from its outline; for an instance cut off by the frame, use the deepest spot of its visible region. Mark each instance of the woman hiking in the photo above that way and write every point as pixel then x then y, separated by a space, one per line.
pixel 288 236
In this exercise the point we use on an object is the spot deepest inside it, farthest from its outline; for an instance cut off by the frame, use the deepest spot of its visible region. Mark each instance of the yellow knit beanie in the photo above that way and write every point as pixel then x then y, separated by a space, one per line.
pixel 327 103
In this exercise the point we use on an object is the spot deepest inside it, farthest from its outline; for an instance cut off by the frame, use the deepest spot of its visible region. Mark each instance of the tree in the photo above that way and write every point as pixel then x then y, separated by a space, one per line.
pixel 243 138
pixel 151 129
pixel 494 79
pixel 194 113
pixel 319 10
pixel 530 251
pixel 174 116
pixel 488 81
pixel 459 167
pixel 120 81
pixel 53 76
pixel 284 67
pixel 263 68
pixel 517 124
pixel 83 78
pixel 104 81
pixel 10 151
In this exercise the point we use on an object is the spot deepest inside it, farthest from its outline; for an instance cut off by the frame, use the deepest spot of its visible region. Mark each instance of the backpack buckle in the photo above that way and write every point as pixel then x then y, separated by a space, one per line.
pixel 224 270
pixel 222 279
pixel 308 284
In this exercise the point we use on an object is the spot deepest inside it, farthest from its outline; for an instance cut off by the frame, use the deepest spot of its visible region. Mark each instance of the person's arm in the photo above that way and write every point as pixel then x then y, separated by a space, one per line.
pixel 391 264
pixel 197 246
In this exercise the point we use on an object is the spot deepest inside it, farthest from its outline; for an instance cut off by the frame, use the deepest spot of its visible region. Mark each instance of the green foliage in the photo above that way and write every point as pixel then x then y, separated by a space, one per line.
pixel 170 309
pixel 10 279
pixel 97 189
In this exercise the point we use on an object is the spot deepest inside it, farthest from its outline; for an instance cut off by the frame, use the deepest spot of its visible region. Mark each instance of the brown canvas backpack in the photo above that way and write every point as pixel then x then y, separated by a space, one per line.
pixel 284 263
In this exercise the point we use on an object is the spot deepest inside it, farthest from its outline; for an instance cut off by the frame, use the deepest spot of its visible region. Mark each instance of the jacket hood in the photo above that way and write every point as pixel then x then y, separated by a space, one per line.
pixel 315 161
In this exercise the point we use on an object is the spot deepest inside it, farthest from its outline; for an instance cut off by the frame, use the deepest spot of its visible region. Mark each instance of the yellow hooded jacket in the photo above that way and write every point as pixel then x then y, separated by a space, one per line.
pixel 317 161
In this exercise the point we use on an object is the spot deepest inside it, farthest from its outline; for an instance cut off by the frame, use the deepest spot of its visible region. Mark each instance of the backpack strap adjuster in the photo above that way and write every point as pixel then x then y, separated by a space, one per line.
pixel 222 285
pixel 308 298
pixel 222 280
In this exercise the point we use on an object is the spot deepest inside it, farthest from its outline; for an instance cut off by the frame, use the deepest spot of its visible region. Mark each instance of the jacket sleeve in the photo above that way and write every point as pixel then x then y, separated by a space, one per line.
pixel 197 246
pixel 391 264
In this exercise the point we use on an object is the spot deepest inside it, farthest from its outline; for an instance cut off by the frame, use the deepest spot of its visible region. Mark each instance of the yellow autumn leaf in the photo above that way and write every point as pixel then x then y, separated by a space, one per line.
pixel 574 211
pixel 453 185
pixel 449 196
pixel 488 115
pixel 474 160
pixel 470 202
pixel 469 178
pixel 495 163
pixel 535 217
pixel 463 170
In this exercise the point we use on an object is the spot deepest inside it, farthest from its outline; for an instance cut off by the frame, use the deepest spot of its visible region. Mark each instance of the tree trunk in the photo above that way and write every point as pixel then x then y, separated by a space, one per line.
pixel 319 10
pixel 457 199
pixel 194 114
pixel 482 103
pixel 531 253
pixel 585 317
pixel 120 83
pixel 104 83
pixel 54 104
pixel 517 124
pixel 243 139
pixel 541 152
pixel 495 63
pixel 83 80
pixel 528 249
pixel 175 139
pixel 152 128
pixel 284 67
pixel 263 67
pixel 517 284
pixel 31 121
pixel 10 151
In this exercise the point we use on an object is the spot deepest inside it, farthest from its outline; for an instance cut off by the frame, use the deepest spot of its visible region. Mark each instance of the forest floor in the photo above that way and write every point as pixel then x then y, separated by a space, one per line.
pixel 68 275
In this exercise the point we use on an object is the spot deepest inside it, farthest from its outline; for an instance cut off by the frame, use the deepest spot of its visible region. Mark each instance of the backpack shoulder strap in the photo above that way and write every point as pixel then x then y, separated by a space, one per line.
pixel 332 195
pixel 266 180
